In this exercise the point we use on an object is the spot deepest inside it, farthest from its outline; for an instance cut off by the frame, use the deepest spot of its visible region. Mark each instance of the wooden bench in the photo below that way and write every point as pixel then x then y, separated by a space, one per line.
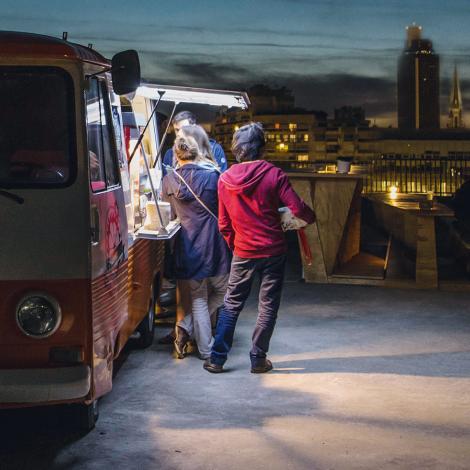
pixel 402 216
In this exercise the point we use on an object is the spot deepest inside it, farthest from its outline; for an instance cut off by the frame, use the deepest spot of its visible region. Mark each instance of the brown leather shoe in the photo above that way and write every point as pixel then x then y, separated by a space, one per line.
pixel 262 368
pixel 181 342
pixel 213 368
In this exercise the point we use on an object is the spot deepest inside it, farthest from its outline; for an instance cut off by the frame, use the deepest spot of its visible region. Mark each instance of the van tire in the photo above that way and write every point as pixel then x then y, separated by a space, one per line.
pixel 86 416
pixel 146 328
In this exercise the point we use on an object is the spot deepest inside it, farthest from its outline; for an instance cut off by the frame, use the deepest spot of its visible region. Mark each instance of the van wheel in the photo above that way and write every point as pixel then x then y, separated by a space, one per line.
pixel 146 328
pixel 86 416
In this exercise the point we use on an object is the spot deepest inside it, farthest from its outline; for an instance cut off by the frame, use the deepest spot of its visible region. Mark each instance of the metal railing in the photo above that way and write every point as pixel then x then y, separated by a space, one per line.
pixel 416 174
pixel 410 174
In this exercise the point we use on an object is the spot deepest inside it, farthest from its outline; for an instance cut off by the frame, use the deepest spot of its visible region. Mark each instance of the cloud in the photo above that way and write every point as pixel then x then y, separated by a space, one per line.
pixel 326 92
pixel 205 73
pixel 314 91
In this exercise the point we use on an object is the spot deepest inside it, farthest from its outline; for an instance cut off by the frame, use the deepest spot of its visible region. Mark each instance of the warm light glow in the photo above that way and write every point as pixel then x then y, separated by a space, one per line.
pixel 235 128
pixel 277 125
pixel 305 137
pixel 302 158
pixel 393 190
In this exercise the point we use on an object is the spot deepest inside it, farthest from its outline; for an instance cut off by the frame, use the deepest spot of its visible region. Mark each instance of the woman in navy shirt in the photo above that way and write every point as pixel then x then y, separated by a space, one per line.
pixel 201 254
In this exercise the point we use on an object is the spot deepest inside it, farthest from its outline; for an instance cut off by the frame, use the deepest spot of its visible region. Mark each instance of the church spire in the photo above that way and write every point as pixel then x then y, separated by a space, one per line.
pixel 455 104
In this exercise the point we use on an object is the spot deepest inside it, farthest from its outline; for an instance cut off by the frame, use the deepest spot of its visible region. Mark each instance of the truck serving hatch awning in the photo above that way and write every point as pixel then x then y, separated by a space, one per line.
pixel 179 94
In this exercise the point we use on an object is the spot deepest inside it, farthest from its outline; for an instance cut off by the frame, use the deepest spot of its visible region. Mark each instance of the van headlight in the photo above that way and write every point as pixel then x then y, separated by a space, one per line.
pixel 38 315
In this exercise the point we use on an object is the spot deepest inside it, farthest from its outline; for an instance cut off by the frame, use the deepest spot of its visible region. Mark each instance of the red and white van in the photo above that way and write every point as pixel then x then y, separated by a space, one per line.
pixel 74 282
pixel 76 278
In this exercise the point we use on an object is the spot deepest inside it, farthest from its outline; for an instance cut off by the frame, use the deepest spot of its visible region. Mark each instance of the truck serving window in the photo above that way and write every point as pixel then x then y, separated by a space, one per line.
pixel 37 130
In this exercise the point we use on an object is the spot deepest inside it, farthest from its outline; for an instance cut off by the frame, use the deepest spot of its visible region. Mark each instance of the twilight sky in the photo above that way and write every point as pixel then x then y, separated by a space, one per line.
pixel 329 52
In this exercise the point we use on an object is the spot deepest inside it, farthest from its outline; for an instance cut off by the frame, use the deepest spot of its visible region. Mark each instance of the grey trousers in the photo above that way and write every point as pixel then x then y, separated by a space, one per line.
pixel 243 271
pixel 207 295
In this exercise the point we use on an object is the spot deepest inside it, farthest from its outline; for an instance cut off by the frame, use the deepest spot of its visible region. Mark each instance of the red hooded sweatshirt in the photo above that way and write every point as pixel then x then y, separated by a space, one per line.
pixel 250 195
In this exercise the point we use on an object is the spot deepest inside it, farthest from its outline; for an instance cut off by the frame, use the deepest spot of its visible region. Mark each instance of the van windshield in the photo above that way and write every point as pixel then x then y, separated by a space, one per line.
pixel 37 132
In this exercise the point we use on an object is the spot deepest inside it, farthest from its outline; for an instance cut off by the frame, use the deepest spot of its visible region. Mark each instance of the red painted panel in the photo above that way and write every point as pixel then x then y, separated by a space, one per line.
pixel 36 45
pixel 145 261
pixel 109 298
pixel 18 350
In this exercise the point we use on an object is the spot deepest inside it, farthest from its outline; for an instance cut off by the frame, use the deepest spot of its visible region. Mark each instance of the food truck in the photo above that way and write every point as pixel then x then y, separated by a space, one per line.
pixel 80 268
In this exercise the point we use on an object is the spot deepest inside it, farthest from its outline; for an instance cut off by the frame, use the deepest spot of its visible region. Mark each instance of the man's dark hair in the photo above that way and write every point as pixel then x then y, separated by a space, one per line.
pixel 248 142
pixel 182 115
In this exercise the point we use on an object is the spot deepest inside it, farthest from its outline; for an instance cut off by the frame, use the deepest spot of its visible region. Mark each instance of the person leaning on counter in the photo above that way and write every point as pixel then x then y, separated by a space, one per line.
pixel 187 118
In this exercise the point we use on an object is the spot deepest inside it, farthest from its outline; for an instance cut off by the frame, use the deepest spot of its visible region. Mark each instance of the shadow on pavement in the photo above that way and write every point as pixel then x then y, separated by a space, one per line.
pixel 435 364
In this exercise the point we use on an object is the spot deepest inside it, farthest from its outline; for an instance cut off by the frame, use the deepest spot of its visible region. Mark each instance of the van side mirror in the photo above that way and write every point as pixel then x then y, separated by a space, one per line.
pixel 125 71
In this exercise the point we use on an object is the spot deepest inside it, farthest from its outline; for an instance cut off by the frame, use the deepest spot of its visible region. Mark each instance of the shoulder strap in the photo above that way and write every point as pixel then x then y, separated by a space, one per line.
pixel 198 199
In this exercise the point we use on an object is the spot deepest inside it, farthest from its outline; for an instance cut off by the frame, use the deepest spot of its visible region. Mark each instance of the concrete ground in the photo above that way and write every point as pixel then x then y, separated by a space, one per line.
pixel 365 378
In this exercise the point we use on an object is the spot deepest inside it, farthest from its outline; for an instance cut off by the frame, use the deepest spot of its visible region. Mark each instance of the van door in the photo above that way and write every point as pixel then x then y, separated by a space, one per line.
pixel 108 237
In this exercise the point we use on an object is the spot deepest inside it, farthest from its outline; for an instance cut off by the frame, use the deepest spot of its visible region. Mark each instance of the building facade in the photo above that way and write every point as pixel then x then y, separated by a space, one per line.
pixel 418 83
pixel 289 137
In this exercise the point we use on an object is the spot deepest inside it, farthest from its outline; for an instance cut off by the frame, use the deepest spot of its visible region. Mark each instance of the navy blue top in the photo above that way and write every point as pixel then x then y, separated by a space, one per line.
pixel 200 249
pixel 217 151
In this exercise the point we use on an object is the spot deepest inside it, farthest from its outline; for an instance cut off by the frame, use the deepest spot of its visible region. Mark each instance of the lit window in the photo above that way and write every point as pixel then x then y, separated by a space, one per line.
pixel 285 137
pixel 305 137
pixel 302 158
pixel 292 138
pixel 277 126
pixel 278 137
pixel 292 127
pixel 283 147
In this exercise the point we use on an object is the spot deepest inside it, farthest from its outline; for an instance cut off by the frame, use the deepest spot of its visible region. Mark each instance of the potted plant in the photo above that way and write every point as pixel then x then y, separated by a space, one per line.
pixel 343 164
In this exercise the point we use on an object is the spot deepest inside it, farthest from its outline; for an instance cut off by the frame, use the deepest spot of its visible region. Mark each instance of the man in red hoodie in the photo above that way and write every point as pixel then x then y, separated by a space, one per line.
pixel 250 195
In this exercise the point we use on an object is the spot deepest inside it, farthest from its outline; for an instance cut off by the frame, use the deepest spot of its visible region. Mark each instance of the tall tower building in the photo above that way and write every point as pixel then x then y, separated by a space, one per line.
pixel 418 83
pixel 455 104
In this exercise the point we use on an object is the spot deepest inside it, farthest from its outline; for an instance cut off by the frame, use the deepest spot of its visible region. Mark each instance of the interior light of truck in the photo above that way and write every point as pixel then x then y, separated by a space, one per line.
pixel 93 112
pixel 194 95
pixel 38 315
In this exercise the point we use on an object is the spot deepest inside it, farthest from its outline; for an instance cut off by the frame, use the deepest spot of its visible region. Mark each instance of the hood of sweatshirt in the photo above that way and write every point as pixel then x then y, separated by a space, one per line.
pixel 245 177
pixel 199 178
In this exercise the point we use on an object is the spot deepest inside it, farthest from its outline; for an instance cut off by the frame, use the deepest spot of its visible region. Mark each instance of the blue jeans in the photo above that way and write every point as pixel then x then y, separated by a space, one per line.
pixel 242 273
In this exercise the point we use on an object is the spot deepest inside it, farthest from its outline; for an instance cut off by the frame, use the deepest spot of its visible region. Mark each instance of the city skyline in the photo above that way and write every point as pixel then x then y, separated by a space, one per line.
pixel 330 53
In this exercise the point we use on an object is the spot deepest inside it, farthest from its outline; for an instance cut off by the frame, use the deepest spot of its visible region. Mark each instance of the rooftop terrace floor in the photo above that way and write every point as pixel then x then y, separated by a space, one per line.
pixel 364 377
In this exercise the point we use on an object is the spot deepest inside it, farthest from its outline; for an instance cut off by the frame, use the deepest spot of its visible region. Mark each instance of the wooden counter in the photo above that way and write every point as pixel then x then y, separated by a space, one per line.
pixel 335 238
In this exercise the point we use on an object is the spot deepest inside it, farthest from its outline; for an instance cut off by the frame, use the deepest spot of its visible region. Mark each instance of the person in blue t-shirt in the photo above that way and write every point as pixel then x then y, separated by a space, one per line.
pixel 187 118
